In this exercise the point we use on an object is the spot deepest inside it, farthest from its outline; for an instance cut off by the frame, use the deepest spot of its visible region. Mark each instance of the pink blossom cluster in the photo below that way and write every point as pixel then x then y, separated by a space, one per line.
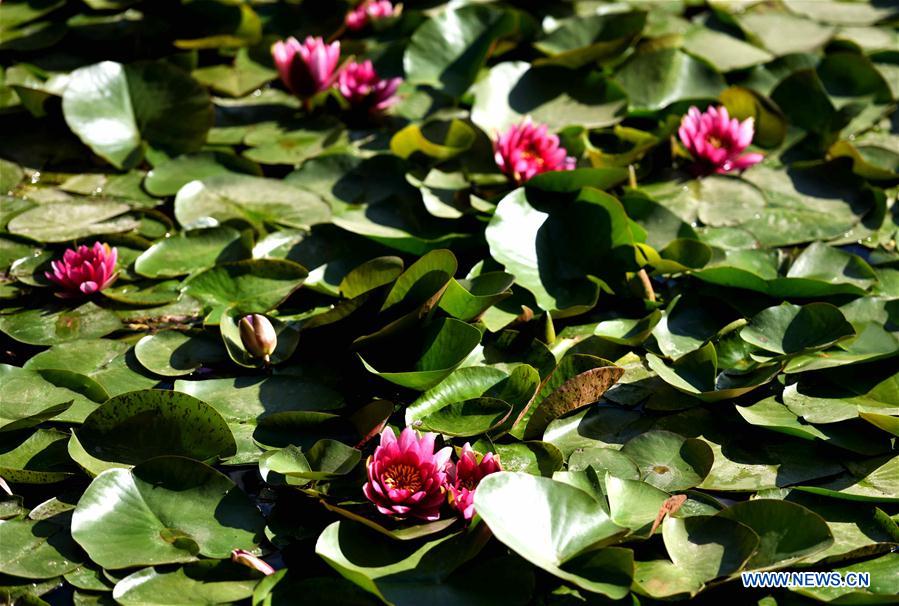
pixel 406 478
pixel 312 66
pixel 369 11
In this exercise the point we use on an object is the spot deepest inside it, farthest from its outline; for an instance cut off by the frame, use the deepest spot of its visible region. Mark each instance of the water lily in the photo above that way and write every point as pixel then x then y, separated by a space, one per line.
pixel 715 140
pixel 406 477
pixel 360 85
pixel 528 149
pixel 306 68
pixel 370 10
pixel 258 336
pixel 83 270
pixel 464 477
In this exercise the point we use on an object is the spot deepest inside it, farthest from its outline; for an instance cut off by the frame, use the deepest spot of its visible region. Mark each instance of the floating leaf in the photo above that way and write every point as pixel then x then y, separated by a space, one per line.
pixel 141 517
pixel 115 109
pixel 452 63
pixel 510 503
pixel 137 426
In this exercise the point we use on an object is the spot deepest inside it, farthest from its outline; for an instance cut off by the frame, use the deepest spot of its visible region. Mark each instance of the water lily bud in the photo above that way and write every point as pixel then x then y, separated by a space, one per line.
pixel 246 558
pixel 258 336
pixel 306 68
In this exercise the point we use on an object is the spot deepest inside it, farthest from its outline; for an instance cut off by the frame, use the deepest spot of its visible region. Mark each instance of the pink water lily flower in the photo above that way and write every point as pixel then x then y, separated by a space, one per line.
pixel 306 68
pixel 528 149
pixel 83 270
pixel 360 85
pixel 464 477
pixel 406 477
pixel 368 11
pixel 715 140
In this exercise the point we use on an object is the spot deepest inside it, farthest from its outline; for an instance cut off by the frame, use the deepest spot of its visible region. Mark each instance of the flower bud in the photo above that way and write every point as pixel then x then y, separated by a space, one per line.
pixel 246 558
pixel 258 336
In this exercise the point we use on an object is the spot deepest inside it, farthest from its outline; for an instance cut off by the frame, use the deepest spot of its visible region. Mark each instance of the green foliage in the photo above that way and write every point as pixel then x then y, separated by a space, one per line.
pixel 683 377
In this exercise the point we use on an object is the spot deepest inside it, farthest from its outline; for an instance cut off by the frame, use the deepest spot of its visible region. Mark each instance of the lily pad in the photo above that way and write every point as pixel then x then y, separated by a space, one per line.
pixel 55 325
pixel 791 329
pixel 207 581
pixel 258 284
pixel 787 531
pixel 137 426
pixel 443 348
pixel 41 458
pixel 451 64
pixel 511 502
pixel 174 354
pixel 37 549
pixel 669 461
pixel 166 510
pixel 152 102
pixel 191 251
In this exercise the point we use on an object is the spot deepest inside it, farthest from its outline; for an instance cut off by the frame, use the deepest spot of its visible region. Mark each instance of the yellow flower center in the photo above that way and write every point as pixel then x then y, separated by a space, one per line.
pixel 715 141
pixel 402 477
pixel 533 157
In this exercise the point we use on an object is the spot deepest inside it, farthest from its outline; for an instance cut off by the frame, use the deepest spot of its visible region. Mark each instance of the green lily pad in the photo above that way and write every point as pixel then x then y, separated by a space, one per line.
pixel 29 399
pixel 655 79
pixel 71 220
pixel 252 200
pixel 791 329
pixel 467 418
pixel 166 178
pixel 669 461
pixel 783 33
pixel 444 346
pixel 708 547
pixel 463 384
pixel 872 480
pixel 577 41
pixel 37 549
pixel 189 251
pixel 724 52
pixel 144 293
pixel 151 102
pixel 50 326
pixel 452 63
pixel 325 460
pixel 452 139
pixel 512 502
pixel 550 94
pixel 696 374
pixel 109 363
pixel 134 427
pixel 787 531
pixel 519 236
pixel 166 510
pixel 243 401
pixel 41 458
pixel 632 504
pixel 174 354
pixel 207 581
pixel 407 572
pixel 258 285
pixel 533 457
pixel 883 586
pixel 370 275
